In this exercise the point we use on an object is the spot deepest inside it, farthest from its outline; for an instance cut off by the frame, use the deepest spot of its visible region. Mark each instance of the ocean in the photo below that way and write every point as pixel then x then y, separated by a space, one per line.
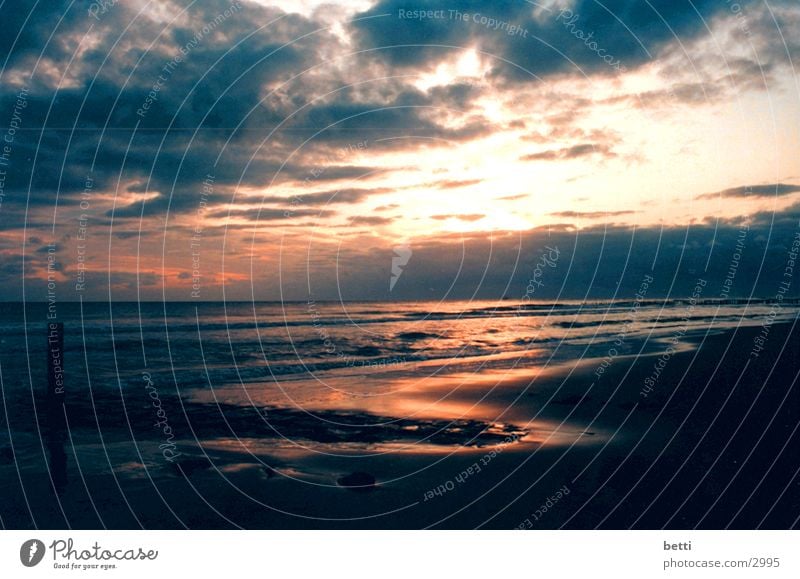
pixel 204 345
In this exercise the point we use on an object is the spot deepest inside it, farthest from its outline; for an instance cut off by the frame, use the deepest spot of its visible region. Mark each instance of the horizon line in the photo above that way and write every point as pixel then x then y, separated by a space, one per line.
pixel 353 301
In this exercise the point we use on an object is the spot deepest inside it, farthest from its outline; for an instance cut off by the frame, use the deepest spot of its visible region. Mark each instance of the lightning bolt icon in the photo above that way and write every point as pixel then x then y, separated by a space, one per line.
pixel 399 261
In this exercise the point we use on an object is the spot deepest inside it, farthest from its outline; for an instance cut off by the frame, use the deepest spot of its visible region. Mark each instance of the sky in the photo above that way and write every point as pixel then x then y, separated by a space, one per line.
pixel 396 150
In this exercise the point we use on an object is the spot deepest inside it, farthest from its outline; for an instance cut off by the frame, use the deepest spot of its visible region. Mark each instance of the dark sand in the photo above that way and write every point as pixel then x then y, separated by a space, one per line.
pixel 714 445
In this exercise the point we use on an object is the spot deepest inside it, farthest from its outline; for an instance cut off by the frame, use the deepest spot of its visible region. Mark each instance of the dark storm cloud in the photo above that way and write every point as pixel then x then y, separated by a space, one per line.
pixel 26 27
pixel 338 196
pixel 766 220
pixel 631 34
pixel 594 263
pixel 229 106
pixel 236 84
pixel 753 191
pixel 329 173
pixel 773 28
pixel 122 281
pixel 381 120
pixel 173 165
pixel 213 88
pixel 268 214
pixel 459 95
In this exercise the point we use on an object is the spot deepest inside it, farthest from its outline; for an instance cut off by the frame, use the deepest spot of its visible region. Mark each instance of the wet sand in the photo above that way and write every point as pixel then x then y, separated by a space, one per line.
pixel 713 445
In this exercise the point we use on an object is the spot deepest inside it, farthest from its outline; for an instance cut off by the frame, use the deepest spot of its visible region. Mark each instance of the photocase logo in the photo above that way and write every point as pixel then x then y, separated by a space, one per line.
pixel 32 552
pixel 399 261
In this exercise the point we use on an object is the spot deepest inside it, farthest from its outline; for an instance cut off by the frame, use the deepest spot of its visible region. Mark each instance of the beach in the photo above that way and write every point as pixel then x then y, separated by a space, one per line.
pixel 656 424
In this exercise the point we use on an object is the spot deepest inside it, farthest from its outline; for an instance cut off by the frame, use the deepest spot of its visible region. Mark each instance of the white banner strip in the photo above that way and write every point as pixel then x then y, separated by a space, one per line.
pixel 400 554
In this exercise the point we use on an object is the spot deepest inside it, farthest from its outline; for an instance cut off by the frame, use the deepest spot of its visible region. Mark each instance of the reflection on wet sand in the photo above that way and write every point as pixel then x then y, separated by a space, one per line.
pixel 471 410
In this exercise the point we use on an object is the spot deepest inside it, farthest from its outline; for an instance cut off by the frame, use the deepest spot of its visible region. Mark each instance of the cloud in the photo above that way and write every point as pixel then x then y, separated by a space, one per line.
pixel 595 262
pixel 753 191
pixel 331 197
pixel 269 214
pixel 572 152
pixel 550 41
pixel 370 220
pixel 207 114
pixel 591 214
pixel 471 217
pixel 280 103
pixel 27 26
pixel 786 218
pixel 457 184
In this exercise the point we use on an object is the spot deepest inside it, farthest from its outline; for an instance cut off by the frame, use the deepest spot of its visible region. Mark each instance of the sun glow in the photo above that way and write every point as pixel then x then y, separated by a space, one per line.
pixel 467 66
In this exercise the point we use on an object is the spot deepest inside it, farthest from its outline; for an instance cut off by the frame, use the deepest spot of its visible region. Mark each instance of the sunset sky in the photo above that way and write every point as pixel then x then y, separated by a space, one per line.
pixel 286 149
